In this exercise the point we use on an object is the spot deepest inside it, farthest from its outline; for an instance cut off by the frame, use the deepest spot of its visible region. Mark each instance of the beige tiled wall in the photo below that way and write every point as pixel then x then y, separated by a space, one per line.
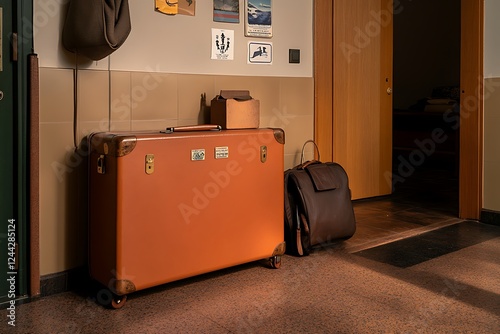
pixel 136 101
pixel 492 144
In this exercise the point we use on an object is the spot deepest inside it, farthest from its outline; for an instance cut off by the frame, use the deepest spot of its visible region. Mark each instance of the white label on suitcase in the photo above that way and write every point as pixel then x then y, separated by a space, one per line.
pixel 198 154
pixel 222 152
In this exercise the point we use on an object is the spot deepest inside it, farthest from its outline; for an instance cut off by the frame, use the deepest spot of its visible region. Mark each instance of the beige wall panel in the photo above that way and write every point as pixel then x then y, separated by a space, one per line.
pixel 190 91
pixel 93 95
pixel 297 96
pixel 62 243
pixel 56 95
pixel 492 144
pixel 121 109
pixel 153 96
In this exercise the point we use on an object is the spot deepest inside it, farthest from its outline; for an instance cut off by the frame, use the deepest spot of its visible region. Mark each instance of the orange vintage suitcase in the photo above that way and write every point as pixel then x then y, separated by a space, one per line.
pixel 190 200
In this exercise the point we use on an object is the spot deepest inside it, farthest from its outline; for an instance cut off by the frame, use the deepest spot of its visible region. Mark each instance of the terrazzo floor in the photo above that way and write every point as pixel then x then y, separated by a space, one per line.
pixel 411 267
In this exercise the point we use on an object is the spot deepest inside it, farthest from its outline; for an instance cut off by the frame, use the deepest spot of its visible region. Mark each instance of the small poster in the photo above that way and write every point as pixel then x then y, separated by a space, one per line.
pixel 258 18
pixel 260 53
pixel 227 11
pixel 184 7
pixel 222 44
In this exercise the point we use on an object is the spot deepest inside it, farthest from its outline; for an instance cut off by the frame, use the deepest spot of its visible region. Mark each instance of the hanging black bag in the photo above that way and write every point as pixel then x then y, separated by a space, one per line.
pixel 96 28
pixel 318 206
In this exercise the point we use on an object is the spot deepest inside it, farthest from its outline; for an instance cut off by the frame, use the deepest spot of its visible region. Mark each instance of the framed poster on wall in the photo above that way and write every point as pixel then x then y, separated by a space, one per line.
pixel 227 11
pixel 260 53
pixel 258 21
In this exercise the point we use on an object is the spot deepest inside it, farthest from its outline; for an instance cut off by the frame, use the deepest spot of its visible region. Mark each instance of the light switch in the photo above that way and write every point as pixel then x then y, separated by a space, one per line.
pixel 294 56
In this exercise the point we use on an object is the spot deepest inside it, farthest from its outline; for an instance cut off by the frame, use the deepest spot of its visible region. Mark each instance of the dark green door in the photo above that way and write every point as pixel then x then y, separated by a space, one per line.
pixel 7 156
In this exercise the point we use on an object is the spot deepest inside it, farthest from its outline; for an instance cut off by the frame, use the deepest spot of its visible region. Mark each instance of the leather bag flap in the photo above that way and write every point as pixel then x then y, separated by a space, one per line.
pixel 322 176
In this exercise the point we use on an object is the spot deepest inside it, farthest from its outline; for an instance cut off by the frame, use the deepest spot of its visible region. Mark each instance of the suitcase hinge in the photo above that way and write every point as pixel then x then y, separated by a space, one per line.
pixel 150 163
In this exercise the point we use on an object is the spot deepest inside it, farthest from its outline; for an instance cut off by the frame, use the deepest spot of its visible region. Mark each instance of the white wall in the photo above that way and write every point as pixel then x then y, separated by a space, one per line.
pixel 491 39
pixel 182 44
pixel 491 185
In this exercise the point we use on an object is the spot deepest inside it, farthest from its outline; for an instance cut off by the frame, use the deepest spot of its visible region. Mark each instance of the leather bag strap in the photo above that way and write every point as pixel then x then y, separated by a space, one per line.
pixel 289 202
pixel 296 220
pixel 298 236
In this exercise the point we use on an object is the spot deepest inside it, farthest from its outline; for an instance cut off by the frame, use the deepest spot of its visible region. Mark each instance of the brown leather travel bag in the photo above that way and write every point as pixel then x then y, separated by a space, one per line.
pixel 318 206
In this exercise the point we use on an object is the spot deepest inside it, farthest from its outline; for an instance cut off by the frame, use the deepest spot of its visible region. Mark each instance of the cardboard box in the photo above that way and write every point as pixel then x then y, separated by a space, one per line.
pixel 235 109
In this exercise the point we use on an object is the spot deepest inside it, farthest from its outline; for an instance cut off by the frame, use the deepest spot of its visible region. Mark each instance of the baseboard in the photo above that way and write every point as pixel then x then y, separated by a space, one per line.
pixel 76 279
pixel 490 217
pixel 73 279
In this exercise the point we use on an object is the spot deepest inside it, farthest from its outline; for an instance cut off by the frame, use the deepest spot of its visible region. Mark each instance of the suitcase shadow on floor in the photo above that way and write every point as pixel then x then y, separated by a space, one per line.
pixel 94 291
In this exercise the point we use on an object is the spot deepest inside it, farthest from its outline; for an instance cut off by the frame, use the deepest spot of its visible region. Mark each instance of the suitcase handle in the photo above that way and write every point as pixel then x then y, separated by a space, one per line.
pixel 188 128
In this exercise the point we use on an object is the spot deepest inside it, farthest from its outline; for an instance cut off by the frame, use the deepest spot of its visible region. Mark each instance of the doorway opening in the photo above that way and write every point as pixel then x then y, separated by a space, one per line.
pixel 426 99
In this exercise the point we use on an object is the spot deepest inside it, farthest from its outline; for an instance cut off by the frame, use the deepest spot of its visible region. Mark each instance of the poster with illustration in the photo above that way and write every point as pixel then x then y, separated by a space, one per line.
pixel 184 7
pixel 222 44
pixel 258 18
pixel 227 11
pixel 260 53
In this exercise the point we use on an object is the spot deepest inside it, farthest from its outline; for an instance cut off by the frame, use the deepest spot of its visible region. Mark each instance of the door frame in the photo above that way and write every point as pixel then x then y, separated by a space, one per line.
pixel 9 223
pixel 471 87
pixel 28 139
pixel 471 109
pixel 25 195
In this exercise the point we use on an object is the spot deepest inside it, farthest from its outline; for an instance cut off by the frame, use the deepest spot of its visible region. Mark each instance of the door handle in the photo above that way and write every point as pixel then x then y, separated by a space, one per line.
pixel 389 91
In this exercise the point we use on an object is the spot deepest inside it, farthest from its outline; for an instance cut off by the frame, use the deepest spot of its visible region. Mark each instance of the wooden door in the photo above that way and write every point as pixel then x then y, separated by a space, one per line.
pixel 361 124
pixel 326 25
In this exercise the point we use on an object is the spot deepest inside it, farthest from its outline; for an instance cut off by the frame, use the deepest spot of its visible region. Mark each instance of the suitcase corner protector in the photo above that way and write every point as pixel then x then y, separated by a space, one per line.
pixel 280 249
pixel 279 135
pixel 123 287
pixel 112 144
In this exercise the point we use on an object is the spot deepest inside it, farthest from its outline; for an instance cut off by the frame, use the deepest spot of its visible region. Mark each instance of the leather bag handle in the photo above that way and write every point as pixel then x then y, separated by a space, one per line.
pixel 303 148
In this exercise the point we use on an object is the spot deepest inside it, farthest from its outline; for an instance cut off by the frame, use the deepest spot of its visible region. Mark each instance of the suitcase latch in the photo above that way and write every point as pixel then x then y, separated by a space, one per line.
pixel 263 153
pixel 150 164
pixel 101 166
